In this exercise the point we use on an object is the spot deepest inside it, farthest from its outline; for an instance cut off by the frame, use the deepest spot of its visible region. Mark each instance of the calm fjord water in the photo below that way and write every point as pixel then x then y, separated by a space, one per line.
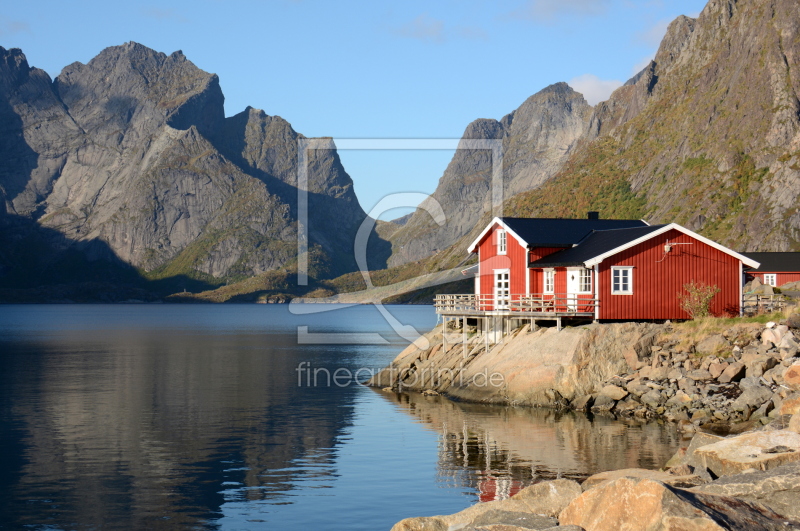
pixel 191 417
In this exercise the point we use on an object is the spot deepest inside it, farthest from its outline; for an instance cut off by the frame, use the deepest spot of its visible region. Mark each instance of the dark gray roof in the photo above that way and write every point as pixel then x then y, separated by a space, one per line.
pixel 595 244
pixel 776 262
pixel 558 232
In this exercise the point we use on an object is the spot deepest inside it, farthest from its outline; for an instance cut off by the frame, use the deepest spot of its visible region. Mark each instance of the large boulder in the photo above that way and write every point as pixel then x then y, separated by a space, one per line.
pixel 760 450
pixel 779 488
pixel 530 368
pixel 549 497
pixel 644 504
pixel 534 507
pixel 752 398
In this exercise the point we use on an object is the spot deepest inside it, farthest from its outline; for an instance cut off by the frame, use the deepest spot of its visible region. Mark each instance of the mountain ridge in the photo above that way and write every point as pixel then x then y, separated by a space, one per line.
pixel 132 149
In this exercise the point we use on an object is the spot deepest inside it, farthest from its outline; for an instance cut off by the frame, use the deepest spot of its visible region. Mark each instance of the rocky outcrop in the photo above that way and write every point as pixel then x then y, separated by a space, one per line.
pixel 537 138
pixel 543 368
pixel 133 153
pixel 741 374
pixel 681 497
pixel 706 136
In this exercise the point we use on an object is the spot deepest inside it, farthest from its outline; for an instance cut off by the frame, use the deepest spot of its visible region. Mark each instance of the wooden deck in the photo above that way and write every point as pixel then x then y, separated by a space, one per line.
pixel 543 306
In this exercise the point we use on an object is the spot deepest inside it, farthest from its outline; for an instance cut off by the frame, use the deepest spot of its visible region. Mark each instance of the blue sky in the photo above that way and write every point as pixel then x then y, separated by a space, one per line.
pixel 360 69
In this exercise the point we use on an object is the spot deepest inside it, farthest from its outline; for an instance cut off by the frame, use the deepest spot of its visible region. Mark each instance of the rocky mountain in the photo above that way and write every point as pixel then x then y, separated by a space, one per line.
pixel 708 135
pixel 130 160
pixel 537 139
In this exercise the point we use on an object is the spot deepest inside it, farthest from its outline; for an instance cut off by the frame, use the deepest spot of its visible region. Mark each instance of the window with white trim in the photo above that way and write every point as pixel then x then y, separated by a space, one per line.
pixel 549 281
pixel 585 281
pixel 622 280
pixel 501 242
pixel 770 279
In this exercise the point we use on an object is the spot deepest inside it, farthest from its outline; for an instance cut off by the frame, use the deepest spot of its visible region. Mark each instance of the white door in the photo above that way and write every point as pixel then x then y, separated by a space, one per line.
pixel 501 288
pixel 573 288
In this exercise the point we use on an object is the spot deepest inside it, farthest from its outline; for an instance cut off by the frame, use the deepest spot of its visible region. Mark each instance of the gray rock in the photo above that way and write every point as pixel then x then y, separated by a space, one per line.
pixel 733 373
pixel 518 519
pixel 699 375
pixel 582 403
pixel 752 398
pixel 653 399
pixel 603 403
pixel 614 392
pixel 778 488
pixel 713 345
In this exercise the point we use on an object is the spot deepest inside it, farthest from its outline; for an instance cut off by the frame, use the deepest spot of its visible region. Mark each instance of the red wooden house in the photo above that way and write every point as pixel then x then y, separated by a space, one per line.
pixel 776 269
pixel 538 268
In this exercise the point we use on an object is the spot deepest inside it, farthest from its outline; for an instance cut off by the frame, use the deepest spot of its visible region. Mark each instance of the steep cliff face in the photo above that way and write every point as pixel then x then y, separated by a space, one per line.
pixel 133 151
pixel 707 135
pixel 537 138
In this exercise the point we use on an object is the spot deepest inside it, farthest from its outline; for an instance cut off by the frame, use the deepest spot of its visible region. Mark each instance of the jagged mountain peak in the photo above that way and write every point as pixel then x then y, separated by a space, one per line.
pixel 132 151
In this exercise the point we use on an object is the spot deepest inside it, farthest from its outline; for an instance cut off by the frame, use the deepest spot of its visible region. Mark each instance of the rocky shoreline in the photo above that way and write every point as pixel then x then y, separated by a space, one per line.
pixel 747 482
pixel 721 377
pixel 735 384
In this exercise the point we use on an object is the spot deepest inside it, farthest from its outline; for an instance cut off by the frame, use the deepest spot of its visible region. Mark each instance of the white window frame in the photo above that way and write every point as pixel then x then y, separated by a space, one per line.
pixel 773 277
pixel 628 273
pixel 502 299
pixel 585 281
pixel 502 241
pixel 549 281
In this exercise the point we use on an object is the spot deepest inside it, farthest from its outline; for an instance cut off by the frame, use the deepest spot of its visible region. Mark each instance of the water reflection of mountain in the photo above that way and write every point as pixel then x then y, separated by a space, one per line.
pixel 157 430
pixel 498 450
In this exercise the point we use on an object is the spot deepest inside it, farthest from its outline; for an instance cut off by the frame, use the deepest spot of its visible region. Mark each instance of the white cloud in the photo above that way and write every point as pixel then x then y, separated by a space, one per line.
pixel 593 88
pixel 423 28
pixel 654 35
pixel 10 27
pixel 547 10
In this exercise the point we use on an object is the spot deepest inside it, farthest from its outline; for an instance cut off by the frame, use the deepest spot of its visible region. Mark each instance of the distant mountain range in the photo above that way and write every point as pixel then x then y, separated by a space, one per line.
pixel 125 170
pixel 127 166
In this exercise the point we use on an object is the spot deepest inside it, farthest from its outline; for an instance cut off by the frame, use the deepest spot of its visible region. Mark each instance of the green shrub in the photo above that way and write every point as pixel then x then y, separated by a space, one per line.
pixel 697 299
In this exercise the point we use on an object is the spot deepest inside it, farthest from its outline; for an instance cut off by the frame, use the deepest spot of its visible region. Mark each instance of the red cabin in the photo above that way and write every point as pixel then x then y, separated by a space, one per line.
pixel 538 268
pixel 776 269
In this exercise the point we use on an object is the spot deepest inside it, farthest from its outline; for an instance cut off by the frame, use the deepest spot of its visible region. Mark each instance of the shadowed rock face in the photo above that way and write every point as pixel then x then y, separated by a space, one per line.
pixel 537 139
pixel 133 150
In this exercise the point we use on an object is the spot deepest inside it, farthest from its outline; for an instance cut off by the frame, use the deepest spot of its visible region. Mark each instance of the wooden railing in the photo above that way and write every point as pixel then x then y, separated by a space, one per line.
pixel 531 304
pixel 754 304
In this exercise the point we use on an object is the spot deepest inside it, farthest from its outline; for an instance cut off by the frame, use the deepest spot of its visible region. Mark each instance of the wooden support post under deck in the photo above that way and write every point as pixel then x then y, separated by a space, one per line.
pixel 558 323
pixel 444 335
pixel 464 336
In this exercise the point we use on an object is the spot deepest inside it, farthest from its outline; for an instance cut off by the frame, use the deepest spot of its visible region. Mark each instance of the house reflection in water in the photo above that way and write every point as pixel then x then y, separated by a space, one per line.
pixel 495 451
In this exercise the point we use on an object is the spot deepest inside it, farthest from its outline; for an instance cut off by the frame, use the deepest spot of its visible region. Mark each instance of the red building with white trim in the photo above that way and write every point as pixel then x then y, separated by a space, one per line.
pixel 776 269
pixel 539 268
